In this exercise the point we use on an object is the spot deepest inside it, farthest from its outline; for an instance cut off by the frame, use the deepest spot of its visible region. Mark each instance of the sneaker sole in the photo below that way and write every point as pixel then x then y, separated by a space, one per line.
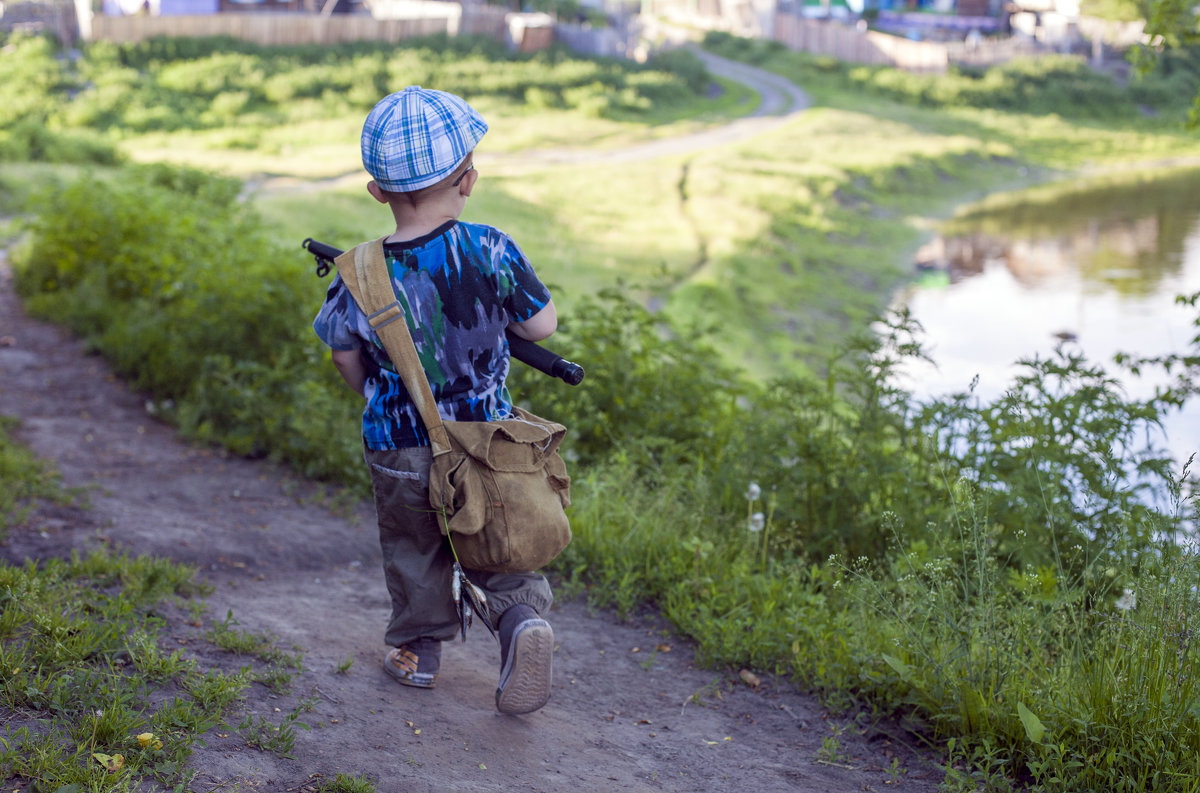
pixel 525 680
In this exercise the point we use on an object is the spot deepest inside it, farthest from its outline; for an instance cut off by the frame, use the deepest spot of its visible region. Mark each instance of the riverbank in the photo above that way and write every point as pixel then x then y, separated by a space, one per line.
pixel 815 530
pixel 802 231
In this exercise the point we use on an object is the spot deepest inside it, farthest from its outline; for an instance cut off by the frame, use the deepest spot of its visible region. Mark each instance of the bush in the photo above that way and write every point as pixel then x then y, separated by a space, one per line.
pixel 661 397
pixel 208 83
pixel 684 66
pixel 30 74
pixel 29 141
pixel 168 275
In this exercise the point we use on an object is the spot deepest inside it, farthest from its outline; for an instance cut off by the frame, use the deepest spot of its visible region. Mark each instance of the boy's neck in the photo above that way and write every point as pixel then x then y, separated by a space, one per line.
pixel 411 225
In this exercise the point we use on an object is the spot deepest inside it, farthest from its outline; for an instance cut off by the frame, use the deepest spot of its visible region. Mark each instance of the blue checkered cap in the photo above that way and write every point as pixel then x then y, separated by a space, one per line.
pixel 417 137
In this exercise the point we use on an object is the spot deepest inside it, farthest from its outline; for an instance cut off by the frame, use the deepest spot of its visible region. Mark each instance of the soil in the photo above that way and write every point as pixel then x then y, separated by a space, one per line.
pixel 630 710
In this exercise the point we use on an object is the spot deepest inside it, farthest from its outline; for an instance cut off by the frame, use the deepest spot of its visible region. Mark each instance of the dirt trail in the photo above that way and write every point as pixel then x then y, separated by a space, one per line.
pixel 624 715
pixel 629 710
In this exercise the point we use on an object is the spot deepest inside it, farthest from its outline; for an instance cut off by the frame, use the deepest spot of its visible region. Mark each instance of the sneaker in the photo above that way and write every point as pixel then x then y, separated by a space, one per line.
pixel 416 663
pixel 526 660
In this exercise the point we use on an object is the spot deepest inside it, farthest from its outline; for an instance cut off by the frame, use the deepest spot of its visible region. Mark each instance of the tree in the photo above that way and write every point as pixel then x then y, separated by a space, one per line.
pixel 1173 24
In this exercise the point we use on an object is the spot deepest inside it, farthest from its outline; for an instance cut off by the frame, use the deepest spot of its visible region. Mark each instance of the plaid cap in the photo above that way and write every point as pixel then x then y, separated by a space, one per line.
pixel 417 137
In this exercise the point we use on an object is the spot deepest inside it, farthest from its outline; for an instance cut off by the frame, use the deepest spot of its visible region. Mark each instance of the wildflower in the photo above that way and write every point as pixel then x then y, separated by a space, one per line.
pixel 148 739
pixel 757 521
pixel 753 492
pixel 1127 601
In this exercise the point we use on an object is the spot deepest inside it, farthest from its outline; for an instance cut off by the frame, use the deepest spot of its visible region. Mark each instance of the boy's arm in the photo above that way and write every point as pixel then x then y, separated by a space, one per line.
pixel 350 365
pixel 539 326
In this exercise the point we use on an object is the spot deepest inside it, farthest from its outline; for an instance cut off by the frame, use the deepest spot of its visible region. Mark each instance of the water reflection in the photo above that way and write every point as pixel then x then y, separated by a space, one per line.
pixel 1098 269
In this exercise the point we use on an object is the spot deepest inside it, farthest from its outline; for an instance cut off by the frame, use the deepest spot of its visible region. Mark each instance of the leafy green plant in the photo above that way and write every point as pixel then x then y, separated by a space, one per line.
pixel 1061 85
pixel 1061 455
pixel 278 739
pixel 346 783
pixel 56 106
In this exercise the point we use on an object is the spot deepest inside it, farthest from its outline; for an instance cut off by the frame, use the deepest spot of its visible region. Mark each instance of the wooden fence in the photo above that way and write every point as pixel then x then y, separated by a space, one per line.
pixel 301 28
pixel 846 43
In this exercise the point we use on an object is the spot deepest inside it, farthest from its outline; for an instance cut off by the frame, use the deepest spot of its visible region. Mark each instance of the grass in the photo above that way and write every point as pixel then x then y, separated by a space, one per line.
pixel 756 229
pixel 975 593
pixel 84 674
pixel 89 697
pixel 85 677
pixel 28 481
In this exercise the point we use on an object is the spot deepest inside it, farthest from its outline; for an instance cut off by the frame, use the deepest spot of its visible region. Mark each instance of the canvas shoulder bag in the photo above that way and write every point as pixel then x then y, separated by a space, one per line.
pixel 500 488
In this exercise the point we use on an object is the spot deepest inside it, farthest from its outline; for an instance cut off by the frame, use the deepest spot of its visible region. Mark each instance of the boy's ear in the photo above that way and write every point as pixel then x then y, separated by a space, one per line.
pixel 468 184
pixel 376 191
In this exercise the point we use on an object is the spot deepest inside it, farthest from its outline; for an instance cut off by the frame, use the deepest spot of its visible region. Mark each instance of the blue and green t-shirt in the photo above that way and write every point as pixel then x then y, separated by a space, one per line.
pixel 460 286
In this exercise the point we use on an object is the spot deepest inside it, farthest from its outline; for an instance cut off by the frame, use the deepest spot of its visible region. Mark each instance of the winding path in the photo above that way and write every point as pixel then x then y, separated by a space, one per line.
pixel 781 101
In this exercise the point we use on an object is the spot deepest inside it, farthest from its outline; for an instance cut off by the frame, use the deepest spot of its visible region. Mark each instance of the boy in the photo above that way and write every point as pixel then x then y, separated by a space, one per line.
pixel 461 285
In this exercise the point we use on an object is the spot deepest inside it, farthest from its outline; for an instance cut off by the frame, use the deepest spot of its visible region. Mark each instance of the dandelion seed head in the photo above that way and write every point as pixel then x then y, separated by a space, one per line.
pixel 757 522
pixel 753 492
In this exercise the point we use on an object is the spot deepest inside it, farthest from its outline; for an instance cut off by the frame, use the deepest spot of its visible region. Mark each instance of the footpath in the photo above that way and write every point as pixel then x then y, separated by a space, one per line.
pixel 630 711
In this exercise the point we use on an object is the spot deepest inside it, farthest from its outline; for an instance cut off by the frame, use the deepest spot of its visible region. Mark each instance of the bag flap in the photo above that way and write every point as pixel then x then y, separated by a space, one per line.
pixel 519 444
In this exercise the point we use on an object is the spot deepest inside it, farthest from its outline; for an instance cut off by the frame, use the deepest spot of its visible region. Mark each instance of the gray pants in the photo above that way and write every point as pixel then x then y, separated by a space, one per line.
pixel 417 560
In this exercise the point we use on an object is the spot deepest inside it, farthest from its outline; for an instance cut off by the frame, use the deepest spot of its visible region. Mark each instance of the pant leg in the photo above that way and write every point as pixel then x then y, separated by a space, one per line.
pixel 416 556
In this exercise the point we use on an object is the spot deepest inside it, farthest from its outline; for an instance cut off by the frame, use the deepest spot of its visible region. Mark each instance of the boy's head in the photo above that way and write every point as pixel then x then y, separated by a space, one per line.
pixel 417 137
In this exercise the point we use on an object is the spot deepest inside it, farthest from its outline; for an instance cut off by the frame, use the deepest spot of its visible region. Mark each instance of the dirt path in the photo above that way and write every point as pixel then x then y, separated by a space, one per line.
pixel 624 715
pixel 629 710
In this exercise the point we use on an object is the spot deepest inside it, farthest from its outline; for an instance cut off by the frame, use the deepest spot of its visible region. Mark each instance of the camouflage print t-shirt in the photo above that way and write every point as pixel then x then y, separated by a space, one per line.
pixel 460 287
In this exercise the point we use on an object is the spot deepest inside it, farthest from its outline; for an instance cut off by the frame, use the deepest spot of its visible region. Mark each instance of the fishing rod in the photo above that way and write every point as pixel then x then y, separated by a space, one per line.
pixel 525 351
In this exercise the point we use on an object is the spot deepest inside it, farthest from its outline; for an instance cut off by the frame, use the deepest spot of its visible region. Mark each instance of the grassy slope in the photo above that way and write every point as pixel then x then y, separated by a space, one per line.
pixel 801 229
pixel 801 233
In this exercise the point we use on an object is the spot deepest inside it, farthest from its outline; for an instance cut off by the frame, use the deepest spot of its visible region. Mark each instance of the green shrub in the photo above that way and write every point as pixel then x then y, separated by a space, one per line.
pixel 683 65
pixel 30 74
pixel 31 141
pixel 164 85
pixel 1050 84
pixel 168 275
pixel 659 395
pixel 1063 456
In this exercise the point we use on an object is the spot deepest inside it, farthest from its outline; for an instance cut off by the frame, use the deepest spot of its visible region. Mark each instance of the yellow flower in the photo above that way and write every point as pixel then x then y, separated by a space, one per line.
pixel 156 745
pixel 145 739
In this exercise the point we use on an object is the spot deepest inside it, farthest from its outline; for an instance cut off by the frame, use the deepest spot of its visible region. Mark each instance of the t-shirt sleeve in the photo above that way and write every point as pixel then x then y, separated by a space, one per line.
pixel 521 291
pixel 336 321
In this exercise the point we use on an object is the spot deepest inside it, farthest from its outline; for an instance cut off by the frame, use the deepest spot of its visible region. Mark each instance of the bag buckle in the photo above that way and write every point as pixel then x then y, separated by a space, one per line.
pixel 386 315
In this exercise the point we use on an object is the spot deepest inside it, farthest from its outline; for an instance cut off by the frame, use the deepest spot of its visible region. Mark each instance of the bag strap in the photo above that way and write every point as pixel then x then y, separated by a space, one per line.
pixel 365 273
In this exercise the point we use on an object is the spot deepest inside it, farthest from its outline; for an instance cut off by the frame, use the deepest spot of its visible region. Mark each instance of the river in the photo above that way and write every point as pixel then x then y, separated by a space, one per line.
pixel 1096 268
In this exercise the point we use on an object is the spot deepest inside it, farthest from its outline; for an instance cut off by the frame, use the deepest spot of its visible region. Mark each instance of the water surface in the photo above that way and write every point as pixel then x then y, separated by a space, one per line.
pixel 1096 269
